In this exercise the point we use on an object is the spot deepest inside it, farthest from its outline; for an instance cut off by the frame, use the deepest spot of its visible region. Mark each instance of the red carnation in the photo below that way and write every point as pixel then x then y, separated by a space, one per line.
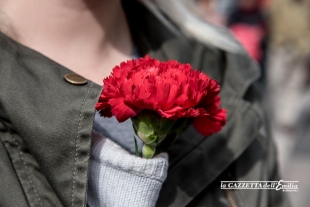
pixel 173 90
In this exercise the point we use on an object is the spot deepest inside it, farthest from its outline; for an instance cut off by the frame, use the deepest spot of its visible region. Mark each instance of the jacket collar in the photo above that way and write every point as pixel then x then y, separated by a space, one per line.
pixel 195 160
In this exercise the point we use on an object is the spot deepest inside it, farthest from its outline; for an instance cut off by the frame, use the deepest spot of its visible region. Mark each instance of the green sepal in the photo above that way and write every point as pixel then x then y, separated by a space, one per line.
pixel 148 151
pixel 149 125
pixel 156 132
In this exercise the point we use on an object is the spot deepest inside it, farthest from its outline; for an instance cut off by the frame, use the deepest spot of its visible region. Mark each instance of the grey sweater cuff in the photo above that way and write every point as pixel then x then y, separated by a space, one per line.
pixel 117 178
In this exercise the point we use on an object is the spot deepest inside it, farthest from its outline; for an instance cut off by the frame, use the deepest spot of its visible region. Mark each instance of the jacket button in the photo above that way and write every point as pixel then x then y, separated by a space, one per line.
pixel 75 79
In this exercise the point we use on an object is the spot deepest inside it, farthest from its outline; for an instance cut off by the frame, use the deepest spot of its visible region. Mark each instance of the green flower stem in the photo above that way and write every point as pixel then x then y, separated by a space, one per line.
pixel 136 147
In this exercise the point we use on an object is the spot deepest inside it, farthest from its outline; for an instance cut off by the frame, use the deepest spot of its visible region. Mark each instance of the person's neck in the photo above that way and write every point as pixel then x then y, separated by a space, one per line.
pixel 87 36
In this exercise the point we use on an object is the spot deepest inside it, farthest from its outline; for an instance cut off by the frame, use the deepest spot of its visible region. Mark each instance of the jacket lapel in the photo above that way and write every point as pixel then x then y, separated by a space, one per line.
pixel 52 121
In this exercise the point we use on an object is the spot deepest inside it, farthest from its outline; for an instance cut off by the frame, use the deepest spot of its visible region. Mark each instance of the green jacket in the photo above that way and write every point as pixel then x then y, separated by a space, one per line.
pixel 46 124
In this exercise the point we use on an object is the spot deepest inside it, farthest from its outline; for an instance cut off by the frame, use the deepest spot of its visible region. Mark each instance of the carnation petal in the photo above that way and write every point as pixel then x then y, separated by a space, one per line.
pixel 172 89
pixel 121 110
pixel 207 125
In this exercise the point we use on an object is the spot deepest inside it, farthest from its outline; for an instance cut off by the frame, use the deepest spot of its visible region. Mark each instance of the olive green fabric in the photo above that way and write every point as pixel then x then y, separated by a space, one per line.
pixel 46 123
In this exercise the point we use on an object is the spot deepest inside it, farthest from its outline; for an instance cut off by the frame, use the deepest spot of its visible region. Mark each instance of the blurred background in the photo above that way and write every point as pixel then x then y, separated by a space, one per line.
pixel 276 34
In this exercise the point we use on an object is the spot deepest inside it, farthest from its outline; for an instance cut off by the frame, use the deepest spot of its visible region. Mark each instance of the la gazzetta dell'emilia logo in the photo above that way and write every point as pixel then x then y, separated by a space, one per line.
pixel 285 186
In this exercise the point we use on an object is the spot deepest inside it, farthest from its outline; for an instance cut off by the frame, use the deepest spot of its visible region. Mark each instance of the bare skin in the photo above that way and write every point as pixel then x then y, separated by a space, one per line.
pixel 89 37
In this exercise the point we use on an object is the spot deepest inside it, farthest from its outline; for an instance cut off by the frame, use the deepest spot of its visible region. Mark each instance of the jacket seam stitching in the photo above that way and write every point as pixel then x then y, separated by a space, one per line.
pixel 87 174
pixel 27 173
pixel 76 145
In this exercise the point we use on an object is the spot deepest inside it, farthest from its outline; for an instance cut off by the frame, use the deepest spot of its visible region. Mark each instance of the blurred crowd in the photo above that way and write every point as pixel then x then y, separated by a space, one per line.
pixel 276 34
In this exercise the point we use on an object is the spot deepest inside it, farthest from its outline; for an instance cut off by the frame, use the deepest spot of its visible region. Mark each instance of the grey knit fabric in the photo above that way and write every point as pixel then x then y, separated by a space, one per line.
pixel 121 179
